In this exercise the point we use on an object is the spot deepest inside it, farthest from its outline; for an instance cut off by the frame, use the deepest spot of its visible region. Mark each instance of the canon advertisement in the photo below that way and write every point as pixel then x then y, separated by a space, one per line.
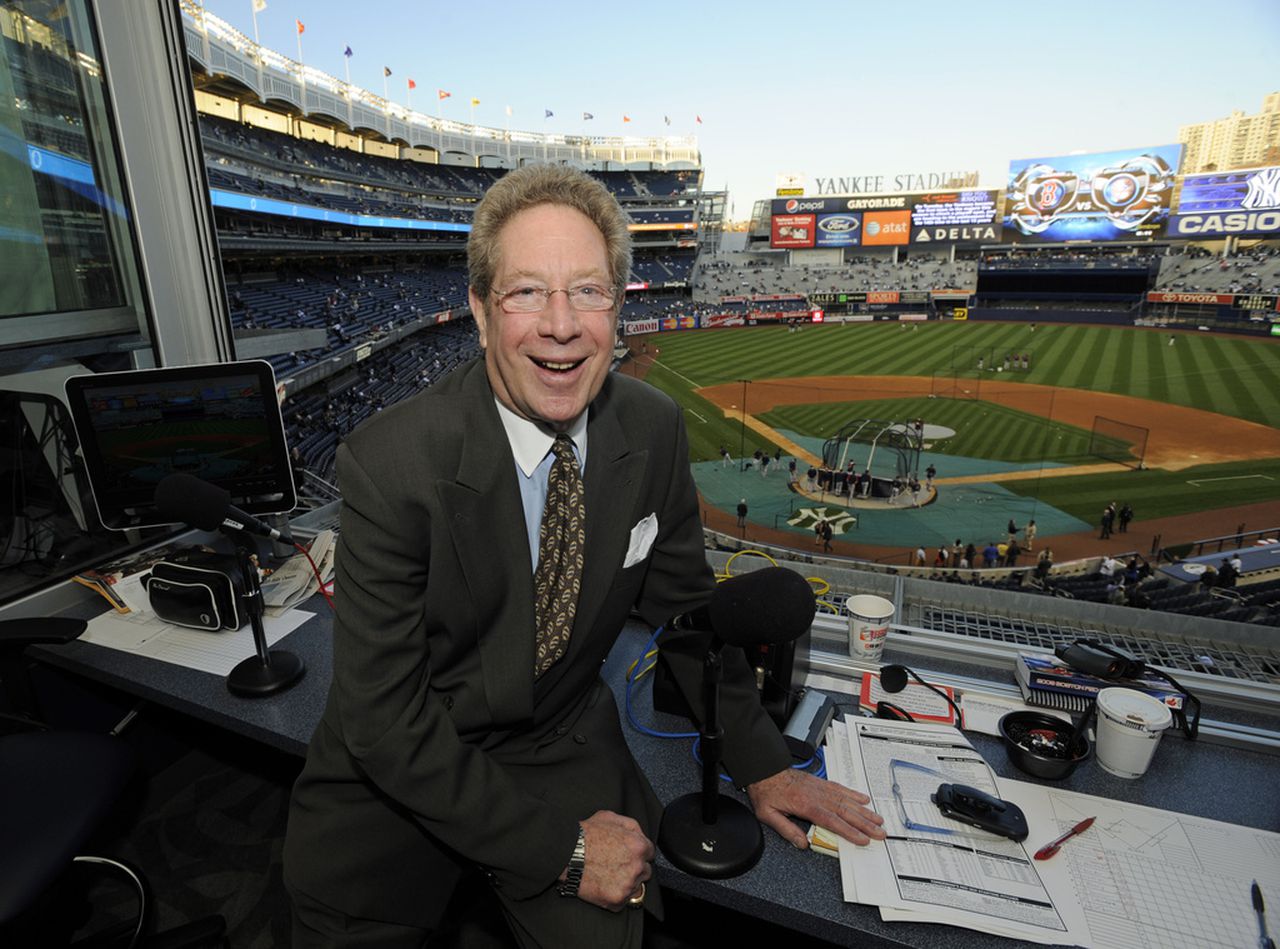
pixel 1228 202
pixel 1104 196
pixel 886 220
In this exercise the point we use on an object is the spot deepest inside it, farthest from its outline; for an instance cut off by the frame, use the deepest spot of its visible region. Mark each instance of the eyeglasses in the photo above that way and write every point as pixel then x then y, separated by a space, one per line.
pixel 587 298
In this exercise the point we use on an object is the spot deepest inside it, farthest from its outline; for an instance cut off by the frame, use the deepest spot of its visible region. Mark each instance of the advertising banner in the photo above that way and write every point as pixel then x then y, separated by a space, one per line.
pixel 1104 196
pixel 882 296
pixel 792 230
pixel 1199 299
pixel 1228 202
pixel 956 217
pixel 640 327
pixel 886 227
pixel 839 230
pixel 723 319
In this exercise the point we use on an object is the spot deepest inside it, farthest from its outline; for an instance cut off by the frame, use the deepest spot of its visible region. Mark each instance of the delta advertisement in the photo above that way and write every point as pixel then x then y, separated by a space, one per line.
pixel 1103 196
pixel 886 220
pixel 1228 202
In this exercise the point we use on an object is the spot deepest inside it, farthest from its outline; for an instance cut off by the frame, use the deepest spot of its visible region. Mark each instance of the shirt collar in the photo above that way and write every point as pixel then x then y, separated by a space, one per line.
pixel 530 441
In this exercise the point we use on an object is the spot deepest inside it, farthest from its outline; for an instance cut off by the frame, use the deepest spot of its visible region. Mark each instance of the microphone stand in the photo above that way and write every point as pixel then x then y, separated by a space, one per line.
pixel 707 834
pixel 270 670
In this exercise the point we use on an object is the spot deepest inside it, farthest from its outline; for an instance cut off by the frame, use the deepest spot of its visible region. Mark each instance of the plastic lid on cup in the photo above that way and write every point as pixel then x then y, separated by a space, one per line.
pixel 1134 709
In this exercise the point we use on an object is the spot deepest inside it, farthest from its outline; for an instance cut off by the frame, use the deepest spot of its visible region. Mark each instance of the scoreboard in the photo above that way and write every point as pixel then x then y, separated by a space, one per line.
pixel 946 217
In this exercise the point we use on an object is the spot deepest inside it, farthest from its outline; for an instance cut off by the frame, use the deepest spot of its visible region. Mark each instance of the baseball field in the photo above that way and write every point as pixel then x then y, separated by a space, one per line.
pixel 1199 416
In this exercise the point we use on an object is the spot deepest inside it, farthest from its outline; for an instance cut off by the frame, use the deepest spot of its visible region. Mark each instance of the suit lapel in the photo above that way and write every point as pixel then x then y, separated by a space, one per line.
pixel 486 522
pixel 614 476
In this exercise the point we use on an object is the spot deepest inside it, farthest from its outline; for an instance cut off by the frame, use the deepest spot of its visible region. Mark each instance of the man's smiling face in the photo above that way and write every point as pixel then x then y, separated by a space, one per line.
pixel 547 366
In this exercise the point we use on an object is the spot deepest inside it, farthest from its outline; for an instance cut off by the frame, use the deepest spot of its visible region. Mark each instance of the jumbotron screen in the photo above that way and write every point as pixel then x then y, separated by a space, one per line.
pixel 1103 196
pixel 880 220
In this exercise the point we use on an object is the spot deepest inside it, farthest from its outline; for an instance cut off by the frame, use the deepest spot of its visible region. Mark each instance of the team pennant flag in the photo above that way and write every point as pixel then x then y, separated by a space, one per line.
pixel 549 113
pixel 699 119
pixel 626 118
pixel 508 111
pixel 442 94
pixel 667 119
pixel 259 5
pixel 301 28
pixel 386 71
pixel 587 115
pixel 412 84
pixel 474 103
pixel 347 52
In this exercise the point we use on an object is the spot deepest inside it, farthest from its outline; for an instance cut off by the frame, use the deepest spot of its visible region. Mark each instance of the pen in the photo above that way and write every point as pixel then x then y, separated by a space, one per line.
pixel 1053 846
pixel 1264 941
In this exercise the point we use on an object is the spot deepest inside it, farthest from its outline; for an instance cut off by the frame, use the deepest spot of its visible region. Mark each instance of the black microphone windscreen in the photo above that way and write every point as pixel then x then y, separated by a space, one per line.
pixel 193 501
pixel 772 605
pixel 893 678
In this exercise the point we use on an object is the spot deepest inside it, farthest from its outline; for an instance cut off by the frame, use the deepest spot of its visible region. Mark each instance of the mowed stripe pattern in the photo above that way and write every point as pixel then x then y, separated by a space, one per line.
pixel 1232 376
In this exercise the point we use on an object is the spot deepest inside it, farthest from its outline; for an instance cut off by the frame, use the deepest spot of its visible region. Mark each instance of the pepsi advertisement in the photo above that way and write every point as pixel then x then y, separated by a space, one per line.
pixel 1102 196
pixel 1229 202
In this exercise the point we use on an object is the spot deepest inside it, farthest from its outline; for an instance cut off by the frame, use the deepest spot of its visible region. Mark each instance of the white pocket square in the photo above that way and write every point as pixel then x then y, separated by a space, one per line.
pixel 642 536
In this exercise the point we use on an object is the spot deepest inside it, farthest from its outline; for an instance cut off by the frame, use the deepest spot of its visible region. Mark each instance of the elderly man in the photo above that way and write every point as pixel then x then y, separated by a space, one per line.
pixel 497 530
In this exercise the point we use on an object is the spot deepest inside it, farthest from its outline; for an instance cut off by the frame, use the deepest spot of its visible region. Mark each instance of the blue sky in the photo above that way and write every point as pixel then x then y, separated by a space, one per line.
pixel 814 88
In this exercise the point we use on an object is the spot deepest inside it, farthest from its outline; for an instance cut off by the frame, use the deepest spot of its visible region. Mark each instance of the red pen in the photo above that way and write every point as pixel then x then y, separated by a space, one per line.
pixel 1053 846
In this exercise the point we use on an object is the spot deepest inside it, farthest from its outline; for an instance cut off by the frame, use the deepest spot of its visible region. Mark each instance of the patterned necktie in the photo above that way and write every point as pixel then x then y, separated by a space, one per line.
pixel 561 541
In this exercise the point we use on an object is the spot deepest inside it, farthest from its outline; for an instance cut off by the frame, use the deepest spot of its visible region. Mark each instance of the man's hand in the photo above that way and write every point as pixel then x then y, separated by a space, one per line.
pixel 619 858
pixel 831 806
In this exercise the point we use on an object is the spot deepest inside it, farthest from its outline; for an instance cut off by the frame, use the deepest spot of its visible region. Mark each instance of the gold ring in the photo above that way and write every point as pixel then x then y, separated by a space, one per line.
pixel 638 899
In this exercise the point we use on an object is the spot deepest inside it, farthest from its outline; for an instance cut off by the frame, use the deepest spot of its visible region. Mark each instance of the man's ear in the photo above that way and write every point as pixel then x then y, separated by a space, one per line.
pixel 481 318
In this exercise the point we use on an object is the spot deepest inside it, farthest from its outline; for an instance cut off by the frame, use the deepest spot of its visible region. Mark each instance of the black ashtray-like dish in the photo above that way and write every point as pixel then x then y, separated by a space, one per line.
pixel 1043 745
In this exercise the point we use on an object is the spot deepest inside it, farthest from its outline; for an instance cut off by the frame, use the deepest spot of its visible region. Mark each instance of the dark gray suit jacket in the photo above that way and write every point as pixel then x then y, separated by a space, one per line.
pixel 427 757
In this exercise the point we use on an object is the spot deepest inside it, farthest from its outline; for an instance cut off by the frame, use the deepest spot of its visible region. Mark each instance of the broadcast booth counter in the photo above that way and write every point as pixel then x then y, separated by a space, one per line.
pixel 1215 777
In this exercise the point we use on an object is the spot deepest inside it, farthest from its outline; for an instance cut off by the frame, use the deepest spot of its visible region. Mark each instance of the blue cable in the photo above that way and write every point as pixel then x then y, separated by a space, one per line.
pixel 636 672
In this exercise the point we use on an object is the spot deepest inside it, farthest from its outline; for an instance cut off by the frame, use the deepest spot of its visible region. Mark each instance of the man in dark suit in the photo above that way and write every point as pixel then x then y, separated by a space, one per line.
pixel 448 743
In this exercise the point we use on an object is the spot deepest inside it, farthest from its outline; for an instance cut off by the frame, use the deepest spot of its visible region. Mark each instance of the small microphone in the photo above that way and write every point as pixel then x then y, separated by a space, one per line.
pixel 771 605
pixel 893 679
pixel 194 501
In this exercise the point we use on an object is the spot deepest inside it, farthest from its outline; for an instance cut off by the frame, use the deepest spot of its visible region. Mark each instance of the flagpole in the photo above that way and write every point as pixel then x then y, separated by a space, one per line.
pixel 508 136
pixel 473 116
pixel 302 80
pixel 257 48
pixel 351 109
pixel 386 101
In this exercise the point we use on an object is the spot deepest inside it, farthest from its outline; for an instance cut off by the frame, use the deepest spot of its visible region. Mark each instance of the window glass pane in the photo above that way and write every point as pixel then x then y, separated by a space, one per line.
pixel 65 241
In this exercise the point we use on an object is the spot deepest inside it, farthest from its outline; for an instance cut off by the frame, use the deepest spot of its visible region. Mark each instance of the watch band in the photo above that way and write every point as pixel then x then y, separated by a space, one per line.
pixel 577 863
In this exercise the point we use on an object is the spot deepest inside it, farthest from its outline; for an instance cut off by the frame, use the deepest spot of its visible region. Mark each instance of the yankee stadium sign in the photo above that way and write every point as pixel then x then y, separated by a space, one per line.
pixel 878 184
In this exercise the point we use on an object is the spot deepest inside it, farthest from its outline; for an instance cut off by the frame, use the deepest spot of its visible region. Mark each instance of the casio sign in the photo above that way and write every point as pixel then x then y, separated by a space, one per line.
pixel 838 224
pixel 793 206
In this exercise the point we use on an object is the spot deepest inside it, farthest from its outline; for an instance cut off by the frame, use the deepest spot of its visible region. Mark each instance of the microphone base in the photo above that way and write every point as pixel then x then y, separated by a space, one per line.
pixel 728 848
pixel 253 678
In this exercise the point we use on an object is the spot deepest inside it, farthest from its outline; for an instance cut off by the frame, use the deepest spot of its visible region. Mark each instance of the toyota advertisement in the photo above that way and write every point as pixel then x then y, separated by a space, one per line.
pixel 1228 202
pixel 886 219
pixel 1103 196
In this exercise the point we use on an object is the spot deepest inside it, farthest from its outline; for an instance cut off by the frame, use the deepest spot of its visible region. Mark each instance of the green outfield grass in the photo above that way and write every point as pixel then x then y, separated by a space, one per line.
pixel 1155 493
pixel 983 429
pixel 1237 376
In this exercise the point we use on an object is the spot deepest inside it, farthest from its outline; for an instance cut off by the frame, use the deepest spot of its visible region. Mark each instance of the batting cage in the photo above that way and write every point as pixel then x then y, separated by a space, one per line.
pixel 1118 441
pixel 887 449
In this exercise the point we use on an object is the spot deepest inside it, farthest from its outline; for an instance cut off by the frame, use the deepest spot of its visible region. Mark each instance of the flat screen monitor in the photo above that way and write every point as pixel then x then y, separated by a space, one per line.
pixel 220 423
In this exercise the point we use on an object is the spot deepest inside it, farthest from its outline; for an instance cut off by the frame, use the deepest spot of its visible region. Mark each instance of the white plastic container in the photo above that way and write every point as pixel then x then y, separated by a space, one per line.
pixel 1130 724
pixel 869 619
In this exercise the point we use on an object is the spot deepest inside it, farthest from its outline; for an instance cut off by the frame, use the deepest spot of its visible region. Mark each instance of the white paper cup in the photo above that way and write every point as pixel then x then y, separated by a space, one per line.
pixel 869 618
pixel 1130 724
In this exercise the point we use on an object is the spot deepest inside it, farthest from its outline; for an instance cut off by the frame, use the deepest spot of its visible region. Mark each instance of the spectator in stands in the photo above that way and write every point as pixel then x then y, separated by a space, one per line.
pixel 435 758
pixel 1227 574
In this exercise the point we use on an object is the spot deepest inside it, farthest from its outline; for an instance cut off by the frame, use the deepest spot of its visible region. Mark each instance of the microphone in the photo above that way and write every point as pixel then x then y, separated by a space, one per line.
pixel 184 497
pixel 706 834
pixel 893 678
pixel 771 605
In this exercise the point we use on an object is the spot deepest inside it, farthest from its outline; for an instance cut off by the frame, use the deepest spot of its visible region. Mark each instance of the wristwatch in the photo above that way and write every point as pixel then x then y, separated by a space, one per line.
pixel 577 863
